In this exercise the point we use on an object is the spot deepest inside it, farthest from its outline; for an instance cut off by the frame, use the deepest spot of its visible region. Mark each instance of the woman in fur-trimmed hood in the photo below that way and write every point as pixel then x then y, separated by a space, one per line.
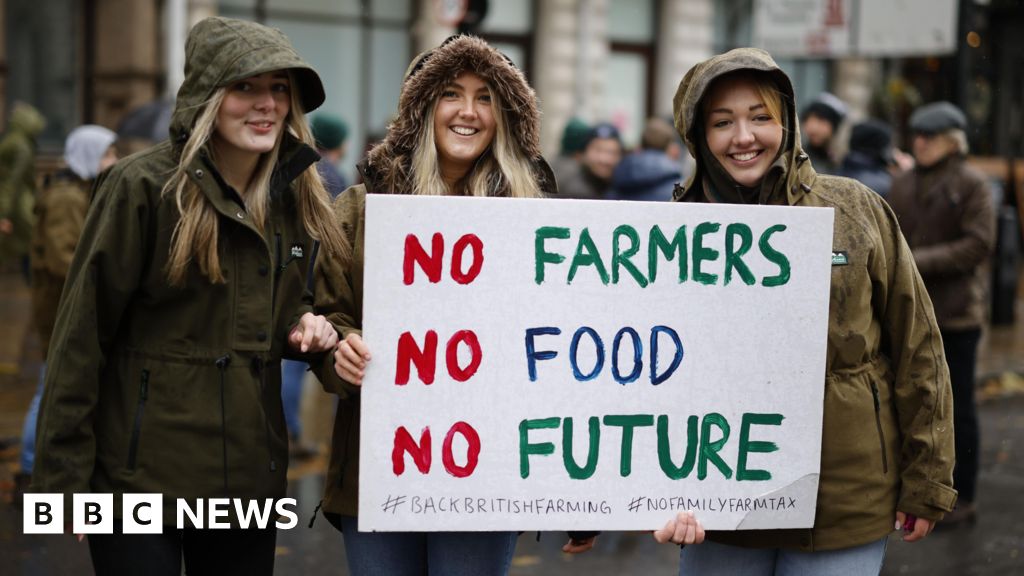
pixel 468 124
pixel 515 145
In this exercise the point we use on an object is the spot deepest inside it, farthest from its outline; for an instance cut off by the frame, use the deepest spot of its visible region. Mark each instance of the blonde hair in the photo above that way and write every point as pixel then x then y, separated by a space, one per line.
pixel 501 166
pixel 196 235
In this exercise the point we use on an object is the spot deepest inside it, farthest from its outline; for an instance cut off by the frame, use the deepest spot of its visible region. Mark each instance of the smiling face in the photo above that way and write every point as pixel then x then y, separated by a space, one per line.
pixel 741 133
pixel 252 115
pixel 463 124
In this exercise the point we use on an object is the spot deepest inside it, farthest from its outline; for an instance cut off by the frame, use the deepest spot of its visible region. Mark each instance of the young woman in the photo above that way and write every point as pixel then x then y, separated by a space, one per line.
pixel 887 437
pixel 467 124
pixel 187 288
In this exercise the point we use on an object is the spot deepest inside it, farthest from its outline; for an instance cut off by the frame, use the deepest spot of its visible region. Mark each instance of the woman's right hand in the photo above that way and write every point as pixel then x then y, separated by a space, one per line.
pixel 350 358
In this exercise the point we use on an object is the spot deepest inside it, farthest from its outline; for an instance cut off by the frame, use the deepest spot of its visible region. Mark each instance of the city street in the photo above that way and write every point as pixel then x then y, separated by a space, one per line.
pixel 993 545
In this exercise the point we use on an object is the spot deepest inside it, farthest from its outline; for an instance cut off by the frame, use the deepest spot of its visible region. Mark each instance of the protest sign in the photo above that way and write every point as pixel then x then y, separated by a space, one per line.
pixel 544 364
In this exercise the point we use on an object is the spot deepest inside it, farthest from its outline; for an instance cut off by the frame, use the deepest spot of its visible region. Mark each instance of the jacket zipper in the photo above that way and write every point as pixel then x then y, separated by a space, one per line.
pixel 222 365
pixel 878 423
pixel 133 446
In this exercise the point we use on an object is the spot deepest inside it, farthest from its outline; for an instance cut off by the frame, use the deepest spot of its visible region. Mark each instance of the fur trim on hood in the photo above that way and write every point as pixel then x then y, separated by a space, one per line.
pixel 389 162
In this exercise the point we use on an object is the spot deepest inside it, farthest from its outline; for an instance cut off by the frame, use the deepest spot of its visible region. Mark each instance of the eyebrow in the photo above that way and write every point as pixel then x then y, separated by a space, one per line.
pixel 483 88
pixel 729 110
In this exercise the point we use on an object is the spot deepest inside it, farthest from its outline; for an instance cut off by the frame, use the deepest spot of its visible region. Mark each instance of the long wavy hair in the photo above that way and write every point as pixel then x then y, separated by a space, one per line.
pixel 502 166
pixel 196 234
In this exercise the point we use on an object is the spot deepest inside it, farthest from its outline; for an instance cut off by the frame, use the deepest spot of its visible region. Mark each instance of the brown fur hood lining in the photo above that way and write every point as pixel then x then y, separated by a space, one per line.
pixel 429 74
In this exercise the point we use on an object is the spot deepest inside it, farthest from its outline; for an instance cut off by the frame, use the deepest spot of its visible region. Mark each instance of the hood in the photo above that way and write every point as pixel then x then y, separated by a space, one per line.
pixel 220 51
pixel 26 119
pixel 428 75
pixel 798 174
pixel 84 149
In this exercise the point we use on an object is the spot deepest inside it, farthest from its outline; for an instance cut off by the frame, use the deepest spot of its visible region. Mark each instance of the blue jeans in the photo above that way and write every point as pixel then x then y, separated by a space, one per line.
pixel 292 373
pixel 714 558
pixel 427 553
pixel 28 431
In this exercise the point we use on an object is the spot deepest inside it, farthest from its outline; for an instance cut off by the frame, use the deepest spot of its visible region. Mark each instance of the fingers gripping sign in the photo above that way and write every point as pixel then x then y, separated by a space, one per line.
pixel 350 359
pixel 683 529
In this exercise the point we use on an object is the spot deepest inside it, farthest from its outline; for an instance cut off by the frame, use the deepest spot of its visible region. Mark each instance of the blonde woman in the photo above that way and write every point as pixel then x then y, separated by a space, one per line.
pixel 887 439
pixel 188 287
pixel 467 125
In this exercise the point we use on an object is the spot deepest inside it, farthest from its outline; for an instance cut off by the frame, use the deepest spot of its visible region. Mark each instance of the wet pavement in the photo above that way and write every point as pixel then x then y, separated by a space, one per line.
pixel 992 545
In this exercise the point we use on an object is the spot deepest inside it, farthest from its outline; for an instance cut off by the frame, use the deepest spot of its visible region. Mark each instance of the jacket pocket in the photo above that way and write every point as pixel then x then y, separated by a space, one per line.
pixel 140 408
pixel 878 425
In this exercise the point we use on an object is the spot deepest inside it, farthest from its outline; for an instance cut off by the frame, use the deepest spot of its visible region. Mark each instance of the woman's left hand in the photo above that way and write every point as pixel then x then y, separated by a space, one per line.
pixel 916 531
pixel 312 334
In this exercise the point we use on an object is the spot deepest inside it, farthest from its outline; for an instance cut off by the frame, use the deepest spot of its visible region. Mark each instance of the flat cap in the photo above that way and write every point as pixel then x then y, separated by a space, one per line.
pixel 937 117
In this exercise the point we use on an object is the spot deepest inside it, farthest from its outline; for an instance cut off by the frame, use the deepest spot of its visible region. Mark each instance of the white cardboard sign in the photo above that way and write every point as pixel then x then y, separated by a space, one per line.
pixel 551 364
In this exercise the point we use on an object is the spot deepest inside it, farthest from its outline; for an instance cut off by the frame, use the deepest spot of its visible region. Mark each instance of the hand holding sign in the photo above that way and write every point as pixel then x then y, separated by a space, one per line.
pixel 350 359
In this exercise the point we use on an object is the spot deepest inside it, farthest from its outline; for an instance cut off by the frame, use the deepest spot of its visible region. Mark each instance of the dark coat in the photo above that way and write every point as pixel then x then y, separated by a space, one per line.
pixel 887 436
pixel 645 175
pixel 868 171
pixel 948 217
pixel 176 390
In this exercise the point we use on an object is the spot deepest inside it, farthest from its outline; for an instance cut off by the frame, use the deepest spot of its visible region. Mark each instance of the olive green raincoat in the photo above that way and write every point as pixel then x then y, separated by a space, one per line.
pixel 176 390
pixel 887 438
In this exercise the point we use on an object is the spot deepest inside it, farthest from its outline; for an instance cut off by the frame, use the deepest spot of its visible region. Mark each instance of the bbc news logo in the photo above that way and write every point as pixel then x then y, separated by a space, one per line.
pixel 143 513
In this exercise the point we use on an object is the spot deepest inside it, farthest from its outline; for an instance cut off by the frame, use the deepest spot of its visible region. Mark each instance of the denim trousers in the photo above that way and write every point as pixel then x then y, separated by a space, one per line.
pixel 28 431
pixel 292 373
pixel 427 553
pixel 725 560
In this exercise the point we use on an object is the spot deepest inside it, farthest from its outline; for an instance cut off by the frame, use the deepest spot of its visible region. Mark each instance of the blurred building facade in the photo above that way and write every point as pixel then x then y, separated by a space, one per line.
pixel 618 60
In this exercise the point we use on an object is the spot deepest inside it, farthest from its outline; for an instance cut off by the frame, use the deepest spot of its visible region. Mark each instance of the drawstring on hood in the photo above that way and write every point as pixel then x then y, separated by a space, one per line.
pixel 788 176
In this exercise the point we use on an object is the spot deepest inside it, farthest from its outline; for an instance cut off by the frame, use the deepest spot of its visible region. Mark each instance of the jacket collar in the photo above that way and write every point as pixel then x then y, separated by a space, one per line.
pixel 294 157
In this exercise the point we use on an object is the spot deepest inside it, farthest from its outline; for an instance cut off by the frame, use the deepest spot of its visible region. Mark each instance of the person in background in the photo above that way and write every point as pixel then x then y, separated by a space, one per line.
pixel 602 151
pixel 574 138
pixel 887 435
pixel 331 134
pixel 188 286
pixel 819 124
pixel 651 172
pixel 946 212
pixel 60 215
pixel 870 157
pixel 18 183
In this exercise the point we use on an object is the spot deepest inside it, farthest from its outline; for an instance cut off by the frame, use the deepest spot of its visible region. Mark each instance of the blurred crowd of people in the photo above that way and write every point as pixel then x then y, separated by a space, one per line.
pixel 712 150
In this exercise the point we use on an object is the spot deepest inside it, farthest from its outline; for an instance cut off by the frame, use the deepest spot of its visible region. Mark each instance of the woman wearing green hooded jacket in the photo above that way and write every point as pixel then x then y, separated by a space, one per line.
pixel 887 438
pixel 188 286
